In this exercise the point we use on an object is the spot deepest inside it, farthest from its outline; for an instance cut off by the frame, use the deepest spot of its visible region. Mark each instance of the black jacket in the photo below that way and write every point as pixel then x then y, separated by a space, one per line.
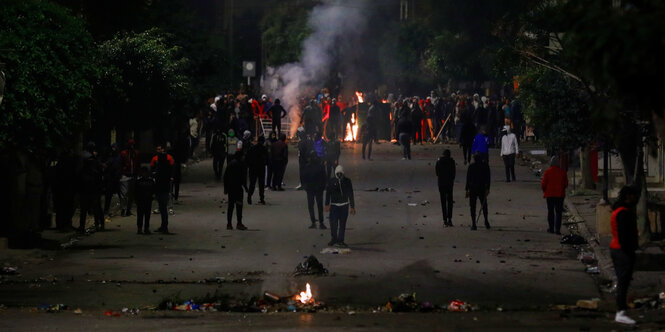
pixel 314 176
pixel 163 172
pixel 257 157
pixel 340 191
pixel 478 177
pixel 445 171
pixel 627 229
pixel 276 113
pixel 145 188
pixel 90 174
pixel 404 126
pixel 235 177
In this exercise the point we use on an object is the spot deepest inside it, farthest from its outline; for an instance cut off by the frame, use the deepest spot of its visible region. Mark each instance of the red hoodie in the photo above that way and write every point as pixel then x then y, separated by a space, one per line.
pixel 554 183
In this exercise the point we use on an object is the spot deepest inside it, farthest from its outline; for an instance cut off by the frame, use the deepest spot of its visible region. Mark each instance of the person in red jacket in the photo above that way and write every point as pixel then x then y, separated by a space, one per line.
pixel 554 184
pixel 623 246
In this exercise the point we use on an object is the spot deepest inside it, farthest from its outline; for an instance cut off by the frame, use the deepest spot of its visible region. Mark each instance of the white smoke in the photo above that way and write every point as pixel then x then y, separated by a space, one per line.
pixel 334 25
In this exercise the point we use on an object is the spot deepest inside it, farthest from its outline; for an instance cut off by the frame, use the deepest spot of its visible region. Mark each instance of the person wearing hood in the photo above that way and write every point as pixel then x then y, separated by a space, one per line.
pixel 314 182
pixel 554 184
pixel 339 202
pixel 257 159
pixel 509 150
pixel 445 172
pixel 279 155
pixel 277 113
pixel 246 141
pixel 481 145
pixel 623 246
pixel 467 138
pixel 478 179
pixel 162 167
pixel 235 183
pixel 90 188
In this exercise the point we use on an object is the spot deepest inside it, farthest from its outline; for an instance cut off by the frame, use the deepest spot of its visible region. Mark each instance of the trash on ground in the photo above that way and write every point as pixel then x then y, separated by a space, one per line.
pixel 425 202
pixel 9 270
pixel 588 304
pixel 78 311
pixel 412 204
pixel 53 307
pixel 593 270
pixel 458 306
pixel 586 257
pixel 336 251
pixel 311 266
pixel 573 239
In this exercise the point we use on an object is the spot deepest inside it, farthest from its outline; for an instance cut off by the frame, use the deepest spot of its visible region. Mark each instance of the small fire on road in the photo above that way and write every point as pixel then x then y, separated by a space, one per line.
pixel 306 296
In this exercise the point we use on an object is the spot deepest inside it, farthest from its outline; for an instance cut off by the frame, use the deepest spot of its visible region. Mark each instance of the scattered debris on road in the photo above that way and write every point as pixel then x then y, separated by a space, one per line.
pixel 311 266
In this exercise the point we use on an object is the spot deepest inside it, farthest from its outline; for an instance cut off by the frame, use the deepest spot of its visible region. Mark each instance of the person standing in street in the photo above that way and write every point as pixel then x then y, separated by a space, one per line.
pixel 478 180
pixel 554 184
pixel 277 113
pixel 280 158
pixel 235 181
pixel 404 130
pixel 445 172
pixel 162 168
pixel 130 168
pixel 481 145
pixel 90 193
pixel 112 167
pixel 509 150
pixel 257 159
pixel 314 181
pixel 218 149
pixel 145 188
pixel 339 202
pixel 332 154
pixel 623 246
pixel 366 139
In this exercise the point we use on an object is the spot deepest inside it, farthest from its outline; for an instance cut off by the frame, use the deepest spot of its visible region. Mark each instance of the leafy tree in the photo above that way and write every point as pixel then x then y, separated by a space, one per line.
pixel 143 81
pixel 283 31
pixel 49 68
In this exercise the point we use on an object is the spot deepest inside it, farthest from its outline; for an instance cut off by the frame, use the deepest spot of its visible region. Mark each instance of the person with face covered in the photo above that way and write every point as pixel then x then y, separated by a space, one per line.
pixel 314 181
pixel 235 183
pixel 162 168
pixel 339 202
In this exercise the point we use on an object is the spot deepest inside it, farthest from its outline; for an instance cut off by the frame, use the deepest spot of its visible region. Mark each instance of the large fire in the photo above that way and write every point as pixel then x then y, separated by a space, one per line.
pixel 351 129
pixel 306 296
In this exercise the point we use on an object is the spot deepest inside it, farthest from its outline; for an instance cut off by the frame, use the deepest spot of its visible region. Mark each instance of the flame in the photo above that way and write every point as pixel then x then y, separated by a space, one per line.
pixel 306 296
pixel 351 129
pixel 359 95
pixel 385 101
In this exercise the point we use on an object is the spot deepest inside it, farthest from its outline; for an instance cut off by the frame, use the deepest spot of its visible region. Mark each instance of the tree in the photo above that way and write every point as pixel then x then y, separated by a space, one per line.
pixel 49 69
pixel 283 31
pixel 143 83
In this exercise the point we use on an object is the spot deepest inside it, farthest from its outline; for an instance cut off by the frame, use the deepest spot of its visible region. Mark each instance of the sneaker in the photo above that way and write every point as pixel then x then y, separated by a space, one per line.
pixel 155 211
pixel 622 318
pixel 313 226
pixel 487 225
pixel 322 226
pixel 549 230
pixel 262 202
pixel 342 244
pixel 241 227
pixel 229 227
pixel 160 230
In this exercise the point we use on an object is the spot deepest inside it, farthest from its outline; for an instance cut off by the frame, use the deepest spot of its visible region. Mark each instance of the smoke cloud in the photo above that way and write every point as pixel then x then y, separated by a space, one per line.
pixel 335 26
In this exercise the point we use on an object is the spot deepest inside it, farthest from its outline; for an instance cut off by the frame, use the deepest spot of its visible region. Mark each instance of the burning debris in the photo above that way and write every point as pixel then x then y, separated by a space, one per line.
pixel 311 266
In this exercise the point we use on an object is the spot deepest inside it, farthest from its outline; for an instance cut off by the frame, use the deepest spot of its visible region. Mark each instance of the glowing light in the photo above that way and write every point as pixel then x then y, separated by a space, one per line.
pixel 306 296
pixel 359 95
pixel 351 129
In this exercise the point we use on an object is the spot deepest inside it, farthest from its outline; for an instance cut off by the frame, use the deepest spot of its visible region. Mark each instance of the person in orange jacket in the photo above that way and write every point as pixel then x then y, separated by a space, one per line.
pixel 554 184
pixel 623 246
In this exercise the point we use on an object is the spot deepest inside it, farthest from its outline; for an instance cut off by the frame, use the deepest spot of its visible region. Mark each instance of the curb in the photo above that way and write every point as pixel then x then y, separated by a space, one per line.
pixel 605 265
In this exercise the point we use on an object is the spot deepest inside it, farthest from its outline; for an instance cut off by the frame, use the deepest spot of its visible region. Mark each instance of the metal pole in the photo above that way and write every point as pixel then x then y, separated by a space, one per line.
pixel 606 176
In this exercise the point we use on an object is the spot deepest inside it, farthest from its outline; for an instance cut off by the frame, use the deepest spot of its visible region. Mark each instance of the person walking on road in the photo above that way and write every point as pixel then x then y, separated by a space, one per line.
pixel 445 172
pixel 90 181
pixel 339 202
pixel 623 246
pixel 404 129
pixel 481 145
pixel 467 139
pixel 145 188
pixel 218 149
pixel 257 159
pixel 509 150
pixel 314 181
pixel 478 188
pixel 235 181
pixel 554 184
pixel 130 168
pixel 162 168
pixel 280 158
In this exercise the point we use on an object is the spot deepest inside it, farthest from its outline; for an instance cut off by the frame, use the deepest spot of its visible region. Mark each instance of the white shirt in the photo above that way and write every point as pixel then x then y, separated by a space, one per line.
pixel 509 144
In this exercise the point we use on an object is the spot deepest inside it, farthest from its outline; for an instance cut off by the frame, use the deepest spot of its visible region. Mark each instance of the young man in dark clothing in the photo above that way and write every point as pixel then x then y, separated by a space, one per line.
pixel 276 113
pixel 218 149
pixel 623 246
pixel 145 188
pixel 280 158
pixel 305 146
pixel 90 184
pixel 332 154
pixel 478 187
pixel 404 129
pixel 466 139
pixel 257 159
pixel 445 172
pixel 235 182
pixel 130 168
pixel 366 138
pixel 314 181
pixel 162 168
pixel 112 167
pixel 339 202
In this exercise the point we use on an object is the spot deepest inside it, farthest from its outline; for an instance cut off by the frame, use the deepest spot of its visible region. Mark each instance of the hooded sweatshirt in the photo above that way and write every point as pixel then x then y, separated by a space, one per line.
pixel 339 191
